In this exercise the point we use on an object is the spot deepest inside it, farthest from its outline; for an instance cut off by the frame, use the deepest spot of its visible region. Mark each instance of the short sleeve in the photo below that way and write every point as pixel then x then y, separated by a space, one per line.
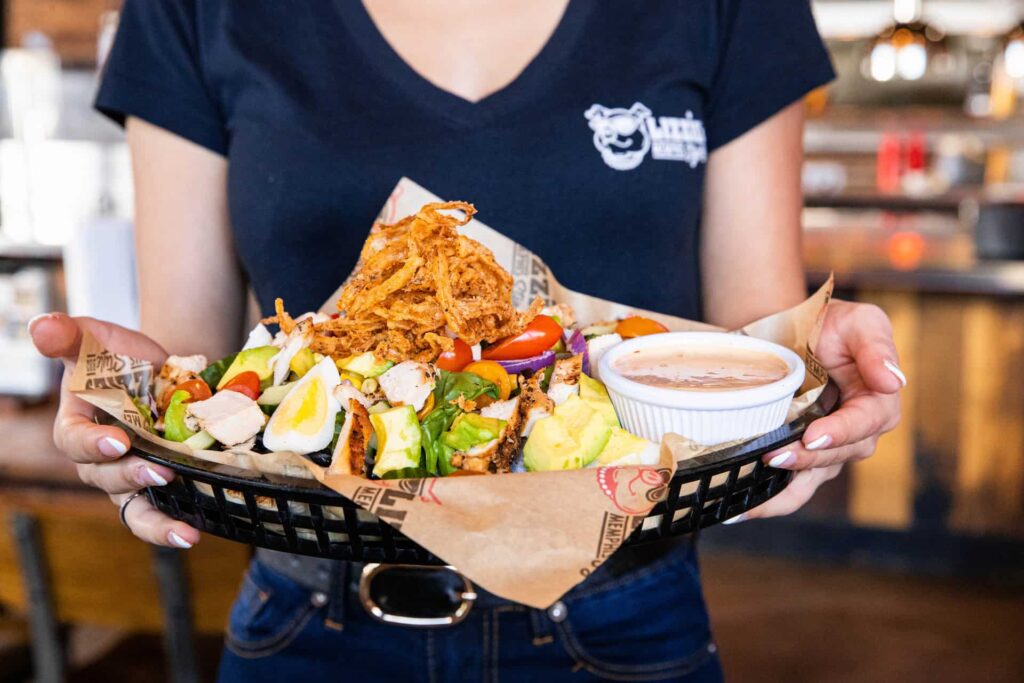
pixel 154 72
pixel 770 56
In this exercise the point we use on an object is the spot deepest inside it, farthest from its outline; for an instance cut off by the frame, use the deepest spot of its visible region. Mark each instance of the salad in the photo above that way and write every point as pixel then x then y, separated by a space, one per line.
pixel 426 370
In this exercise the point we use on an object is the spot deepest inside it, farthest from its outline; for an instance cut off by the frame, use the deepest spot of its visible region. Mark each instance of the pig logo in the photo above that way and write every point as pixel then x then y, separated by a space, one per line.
pixel 624 137
pixel 620 135
pixel 633 490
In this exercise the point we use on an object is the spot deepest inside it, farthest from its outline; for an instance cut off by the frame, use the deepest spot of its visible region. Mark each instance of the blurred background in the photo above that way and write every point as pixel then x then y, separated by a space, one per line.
pixel 908 567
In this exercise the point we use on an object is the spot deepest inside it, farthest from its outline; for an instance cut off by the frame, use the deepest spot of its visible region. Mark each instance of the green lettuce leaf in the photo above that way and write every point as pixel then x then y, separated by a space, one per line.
pixel 214 371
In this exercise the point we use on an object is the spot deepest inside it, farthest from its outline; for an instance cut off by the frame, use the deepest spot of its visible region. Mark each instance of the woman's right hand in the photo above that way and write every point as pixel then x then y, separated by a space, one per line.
pixel 99 450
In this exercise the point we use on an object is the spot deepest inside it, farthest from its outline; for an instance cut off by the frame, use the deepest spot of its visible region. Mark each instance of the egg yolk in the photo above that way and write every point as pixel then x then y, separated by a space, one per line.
pixel 306 412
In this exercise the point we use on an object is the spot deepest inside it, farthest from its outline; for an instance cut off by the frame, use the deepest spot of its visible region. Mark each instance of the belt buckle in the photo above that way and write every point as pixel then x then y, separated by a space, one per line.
pixel 468 595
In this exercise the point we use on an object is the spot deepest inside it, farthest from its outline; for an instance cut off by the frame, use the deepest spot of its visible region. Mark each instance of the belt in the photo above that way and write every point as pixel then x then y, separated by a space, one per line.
pixel 422 593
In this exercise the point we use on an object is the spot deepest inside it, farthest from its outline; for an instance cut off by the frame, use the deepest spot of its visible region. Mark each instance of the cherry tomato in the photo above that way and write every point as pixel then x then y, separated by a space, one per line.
pixel 636 326
pixel 459 357
pixel 492 372
pixel 197 389
pixel 246 383
pixel 540 335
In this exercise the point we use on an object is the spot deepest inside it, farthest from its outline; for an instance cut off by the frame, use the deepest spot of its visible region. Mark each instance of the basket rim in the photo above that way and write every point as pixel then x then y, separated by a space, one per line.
pixel 710 462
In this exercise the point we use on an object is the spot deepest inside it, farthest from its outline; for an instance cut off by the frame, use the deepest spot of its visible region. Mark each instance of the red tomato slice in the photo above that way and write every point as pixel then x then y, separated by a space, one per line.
pixel 246 383
pixel 459 357
pixel 197 389
pixel 637 326
pixel 540 335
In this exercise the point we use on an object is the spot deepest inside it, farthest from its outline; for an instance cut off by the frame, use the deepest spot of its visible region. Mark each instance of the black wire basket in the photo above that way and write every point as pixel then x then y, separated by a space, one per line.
pixel 302 516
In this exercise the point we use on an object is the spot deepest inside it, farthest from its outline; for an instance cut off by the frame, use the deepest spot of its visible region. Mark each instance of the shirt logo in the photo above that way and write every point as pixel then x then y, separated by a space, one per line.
pixel 625 136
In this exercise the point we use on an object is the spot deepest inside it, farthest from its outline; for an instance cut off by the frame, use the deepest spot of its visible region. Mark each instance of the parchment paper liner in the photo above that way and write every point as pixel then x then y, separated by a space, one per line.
pixel 526 537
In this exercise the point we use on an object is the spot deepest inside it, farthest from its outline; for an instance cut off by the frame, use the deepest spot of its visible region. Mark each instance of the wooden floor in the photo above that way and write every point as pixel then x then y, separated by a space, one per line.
pixel 782 621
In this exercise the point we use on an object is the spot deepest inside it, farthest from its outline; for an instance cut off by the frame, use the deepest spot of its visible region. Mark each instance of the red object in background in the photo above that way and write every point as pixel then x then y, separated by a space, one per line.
pixel 914 153
pixel 888 163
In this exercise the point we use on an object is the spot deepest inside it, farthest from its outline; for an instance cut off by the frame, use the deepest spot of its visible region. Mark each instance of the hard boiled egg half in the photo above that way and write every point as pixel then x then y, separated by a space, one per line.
pixel 304 420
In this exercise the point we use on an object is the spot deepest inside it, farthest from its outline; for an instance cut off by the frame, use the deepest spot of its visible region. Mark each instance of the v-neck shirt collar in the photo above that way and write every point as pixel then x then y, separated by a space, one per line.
pixel 525 88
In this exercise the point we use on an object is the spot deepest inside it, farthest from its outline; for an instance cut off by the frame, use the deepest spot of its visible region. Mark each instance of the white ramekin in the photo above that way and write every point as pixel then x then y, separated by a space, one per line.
pixel 707 417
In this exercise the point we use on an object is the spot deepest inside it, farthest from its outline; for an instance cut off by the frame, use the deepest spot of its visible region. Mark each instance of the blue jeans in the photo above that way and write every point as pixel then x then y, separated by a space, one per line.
pixel 650 625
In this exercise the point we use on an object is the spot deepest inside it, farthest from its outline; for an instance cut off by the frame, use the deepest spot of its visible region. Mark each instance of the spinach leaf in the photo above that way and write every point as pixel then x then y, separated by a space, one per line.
pixel 450 385
pixel 215 371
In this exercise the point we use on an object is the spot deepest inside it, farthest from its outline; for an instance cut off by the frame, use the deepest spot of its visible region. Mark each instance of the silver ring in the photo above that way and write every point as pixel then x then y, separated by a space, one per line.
pixel 124 507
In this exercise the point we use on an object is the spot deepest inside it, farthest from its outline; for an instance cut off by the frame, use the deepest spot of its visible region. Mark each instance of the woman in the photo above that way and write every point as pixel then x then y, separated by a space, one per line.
pixel 650 152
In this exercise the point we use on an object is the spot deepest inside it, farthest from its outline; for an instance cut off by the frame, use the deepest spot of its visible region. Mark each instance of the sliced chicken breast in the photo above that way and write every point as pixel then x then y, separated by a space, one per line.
pixel 230 417
pixel 409 383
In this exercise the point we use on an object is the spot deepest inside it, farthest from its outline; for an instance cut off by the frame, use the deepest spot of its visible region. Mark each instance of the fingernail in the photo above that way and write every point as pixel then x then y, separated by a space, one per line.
pixel 895 369
pixel 781 459
pixel 820 442
pixel 154 477
pixel 178 541
pixel 111 447
pixel 34 321
pixel 737 519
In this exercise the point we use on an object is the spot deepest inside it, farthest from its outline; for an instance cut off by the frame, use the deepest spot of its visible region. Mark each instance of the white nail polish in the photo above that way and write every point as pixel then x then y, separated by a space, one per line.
pixel 895 369
pixel 737 519
pixel 155 477
pixel 115 444
pixel 781 459
pixel 820 442
pixel 178 540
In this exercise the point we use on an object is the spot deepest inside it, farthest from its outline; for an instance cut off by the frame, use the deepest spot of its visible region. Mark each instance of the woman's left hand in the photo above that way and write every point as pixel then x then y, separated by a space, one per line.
pixel 856 347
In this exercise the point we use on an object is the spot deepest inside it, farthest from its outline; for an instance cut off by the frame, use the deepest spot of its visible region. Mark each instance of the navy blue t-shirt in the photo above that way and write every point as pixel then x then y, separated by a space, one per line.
pixel 593 157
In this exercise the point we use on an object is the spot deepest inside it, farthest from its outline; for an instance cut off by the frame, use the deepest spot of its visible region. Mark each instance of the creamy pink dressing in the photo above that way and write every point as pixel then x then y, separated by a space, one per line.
pixel 701 368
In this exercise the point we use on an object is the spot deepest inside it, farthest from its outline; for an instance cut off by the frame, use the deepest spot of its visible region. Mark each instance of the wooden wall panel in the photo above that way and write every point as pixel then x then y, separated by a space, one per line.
pixel 101 574
pixel 934 415
pixel 72 25
pixel 882 487
pixel 989 495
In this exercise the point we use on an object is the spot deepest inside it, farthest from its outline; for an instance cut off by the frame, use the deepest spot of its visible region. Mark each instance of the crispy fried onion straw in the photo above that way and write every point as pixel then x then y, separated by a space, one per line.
pixel 418 284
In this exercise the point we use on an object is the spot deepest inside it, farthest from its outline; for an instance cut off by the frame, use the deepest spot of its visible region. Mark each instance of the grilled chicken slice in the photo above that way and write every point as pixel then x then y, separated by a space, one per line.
pixel 345 392
pixel 353 441
pixel 229 417
pixel 409 384
pixel 296 340
pixel 565 379
pixel 508 442
pixel 534 405
pixel 478 458
pixel 176 369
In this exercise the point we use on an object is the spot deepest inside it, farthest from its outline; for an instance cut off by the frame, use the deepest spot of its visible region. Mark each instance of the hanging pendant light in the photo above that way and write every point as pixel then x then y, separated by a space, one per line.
pixel 1013 52
pixel 908 48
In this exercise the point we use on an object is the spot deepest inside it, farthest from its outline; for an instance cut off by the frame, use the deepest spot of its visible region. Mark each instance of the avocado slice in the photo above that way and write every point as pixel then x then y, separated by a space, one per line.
pixel 470 429
pixel 624 448
pixel 365 364
pixel 255 360
pixel 398 440
pixel 569 439
pixel 595 395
